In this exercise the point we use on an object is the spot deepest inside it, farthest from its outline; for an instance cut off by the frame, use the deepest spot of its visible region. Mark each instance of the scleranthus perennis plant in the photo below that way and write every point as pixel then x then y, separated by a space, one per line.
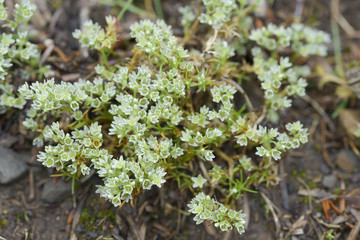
pixel 16 49
pixel 170 114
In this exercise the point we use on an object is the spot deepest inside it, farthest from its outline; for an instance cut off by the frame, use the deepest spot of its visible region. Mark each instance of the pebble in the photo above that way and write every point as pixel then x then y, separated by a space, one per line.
pixel 56 192
pixel 347 161
pixel 329 181
pixel 324 169
pixel 12 166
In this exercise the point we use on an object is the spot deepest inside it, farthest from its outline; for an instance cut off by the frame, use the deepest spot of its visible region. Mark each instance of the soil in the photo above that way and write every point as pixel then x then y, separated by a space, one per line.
pixel 291 209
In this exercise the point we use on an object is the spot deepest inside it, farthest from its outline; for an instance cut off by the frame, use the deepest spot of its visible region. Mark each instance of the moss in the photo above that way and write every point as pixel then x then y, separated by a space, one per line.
pixel 3 223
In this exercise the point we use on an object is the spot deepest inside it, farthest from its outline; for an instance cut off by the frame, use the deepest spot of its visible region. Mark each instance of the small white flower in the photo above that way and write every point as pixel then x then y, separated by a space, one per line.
pixel 198 181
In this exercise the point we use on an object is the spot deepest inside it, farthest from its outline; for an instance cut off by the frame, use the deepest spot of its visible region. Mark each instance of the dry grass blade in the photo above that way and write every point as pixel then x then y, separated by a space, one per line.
pixel 241 90
pixel 246 208
pixel 296 226
pixel 326 224
pixel 354 232
pixel 323 145
pixel 283 187
pixel 31 185
pixel 339 18
pixel 321 111
pixel 272 210
pixel 134 229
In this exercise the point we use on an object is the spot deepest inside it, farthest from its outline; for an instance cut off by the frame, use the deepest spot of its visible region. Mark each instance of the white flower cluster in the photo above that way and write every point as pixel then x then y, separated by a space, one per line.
pixel 217 12
pixel 156 102
pixel 187 16
pixel 245 162
pixel 74 152
pixel 65 97
pixel 273 142
pixel 94 37
pixel 15 48
pixel 143 170
pixel 223 50
pixel 302 39
pixel 207 208
pixel 147 115
pixel 156 39
pixel 279 80
pixel 223 94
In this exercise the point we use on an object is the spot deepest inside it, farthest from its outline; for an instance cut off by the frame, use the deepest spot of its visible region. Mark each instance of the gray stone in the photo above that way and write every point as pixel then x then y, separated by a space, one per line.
pixel 329 181
pixel 324 169
pixel 12 166
pixel 56 192
pixel 347 161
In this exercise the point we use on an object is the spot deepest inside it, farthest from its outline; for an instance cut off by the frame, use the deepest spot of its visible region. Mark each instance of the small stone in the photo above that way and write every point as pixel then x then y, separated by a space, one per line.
pixel 324 169
pixel 12 166
pixel 347 161
pixel 349 121
pixel 56 192
pixel 329 181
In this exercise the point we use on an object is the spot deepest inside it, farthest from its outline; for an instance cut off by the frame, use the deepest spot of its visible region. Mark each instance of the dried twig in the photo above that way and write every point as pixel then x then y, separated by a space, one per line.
pixel 283 187
pixel 134 229
pixel 227 159
pixel 307 188
pixel 326 224
pixel 76 218
pixel 204 170
pixel 339 18
pixel 241 90
pixel 246 208
pixel 262 116
pixel 211 41
pixel 321 111
pixel 271 206
pixel 355 231
pixel 83 18
pixel 323 148
pixel 49 48
pixel 31 185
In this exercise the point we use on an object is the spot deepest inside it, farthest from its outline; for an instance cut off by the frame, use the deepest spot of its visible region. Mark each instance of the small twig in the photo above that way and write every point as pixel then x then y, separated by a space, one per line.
pixel 283 187
pixel 354 148
pixel 336 40
pixel 262 116
pixel 241 90
pixel 83 18
pixel 271 206
pixel 321 111
pixel 194 26
pixel 246 208
pixel 211 41
pixel 326 224
pixel 227 235
pixel 134 229
pixel 298 11
pixel 339 18
pixel 31 185
pixel 355 231
pixel 54 19
pixel 308 189
pixel 300 223
pixel 49 49
pixel 323 148
pixel 76 218
pixel 204 171
pixel 227 159
pixel 318 232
